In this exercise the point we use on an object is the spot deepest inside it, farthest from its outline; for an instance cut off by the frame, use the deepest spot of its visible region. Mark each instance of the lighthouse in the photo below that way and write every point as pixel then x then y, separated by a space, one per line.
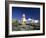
pixel 23 20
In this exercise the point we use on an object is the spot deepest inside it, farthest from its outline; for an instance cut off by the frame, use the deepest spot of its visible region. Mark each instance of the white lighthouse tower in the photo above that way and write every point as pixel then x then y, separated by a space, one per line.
pixel 23 20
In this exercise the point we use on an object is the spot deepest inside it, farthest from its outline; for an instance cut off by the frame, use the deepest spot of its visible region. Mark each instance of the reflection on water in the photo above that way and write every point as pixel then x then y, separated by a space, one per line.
pixel 25 27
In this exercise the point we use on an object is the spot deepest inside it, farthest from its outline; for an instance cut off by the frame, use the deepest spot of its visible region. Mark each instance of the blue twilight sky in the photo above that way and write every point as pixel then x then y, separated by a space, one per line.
pixel 33 13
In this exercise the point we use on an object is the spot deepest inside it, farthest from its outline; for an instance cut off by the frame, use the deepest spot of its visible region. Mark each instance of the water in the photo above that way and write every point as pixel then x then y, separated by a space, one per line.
pixel 25 27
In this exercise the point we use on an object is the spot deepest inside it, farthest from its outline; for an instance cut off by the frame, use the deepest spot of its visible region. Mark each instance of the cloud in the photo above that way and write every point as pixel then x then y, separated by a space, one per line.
pixel 29 19
pixel 36 21
pixel 33 20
